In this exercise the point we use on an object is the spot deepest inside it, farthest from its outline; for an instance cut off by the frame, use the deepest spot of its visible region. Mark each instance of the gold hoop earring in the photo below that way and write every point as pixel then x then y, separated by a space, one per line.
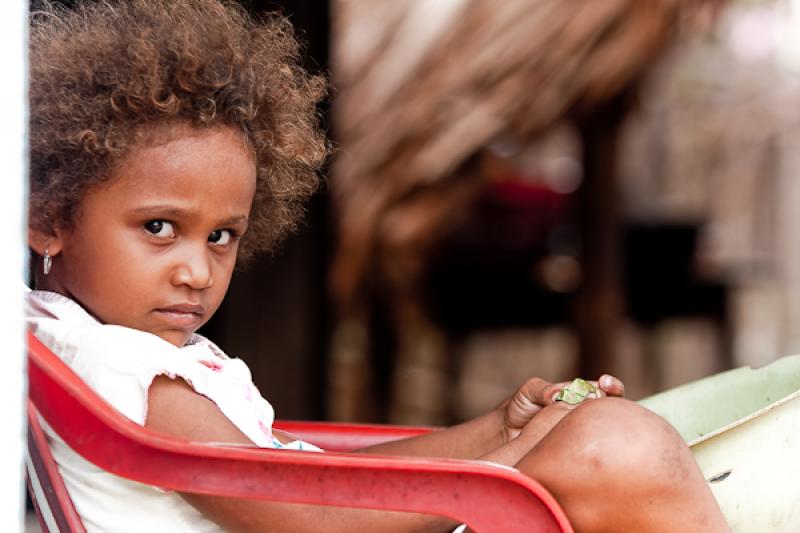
pixel 47 262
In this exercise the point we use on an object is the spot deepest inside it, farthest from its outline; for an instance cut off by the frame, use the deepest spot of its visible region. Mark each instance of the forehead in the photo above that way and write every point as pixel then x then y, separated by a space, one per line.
pixel 185 165
pixel 162 133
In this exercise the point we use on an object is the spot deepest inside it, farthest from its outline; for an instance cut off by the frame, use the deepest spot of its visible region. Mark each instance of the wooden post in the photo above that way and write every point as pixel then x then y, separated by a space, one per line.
pixel 600 302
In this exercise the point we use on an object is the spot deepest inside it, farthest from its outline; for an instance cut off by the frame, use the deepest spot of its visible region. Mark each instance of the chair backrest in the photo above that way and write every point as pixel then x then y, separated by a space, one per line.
pixel 488 497
pixel 53 505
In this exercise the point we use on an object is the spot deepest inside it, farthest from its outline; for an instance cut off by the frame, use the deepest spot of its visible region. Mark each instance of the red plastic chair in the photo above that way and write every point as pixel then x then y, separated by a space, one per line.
pixel 490 498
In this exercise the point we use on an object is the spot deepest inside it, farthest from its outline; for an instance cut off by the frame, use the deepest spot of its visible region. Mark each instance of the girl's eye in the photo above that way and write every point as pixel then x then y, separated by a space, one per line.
pixel 160 228
pixel 220 237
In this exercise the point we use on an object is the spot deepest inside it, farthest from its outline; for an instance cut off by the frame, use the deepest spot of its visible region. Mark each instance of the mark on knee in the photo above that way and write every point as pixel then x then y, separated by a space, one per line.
pixel 674 463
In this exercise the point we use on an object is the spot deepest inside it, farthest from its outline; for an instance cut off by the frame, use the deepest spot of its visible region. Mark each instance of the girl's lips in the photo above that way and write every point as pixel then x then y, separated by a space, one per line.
pixel 182 315
pixel 185 308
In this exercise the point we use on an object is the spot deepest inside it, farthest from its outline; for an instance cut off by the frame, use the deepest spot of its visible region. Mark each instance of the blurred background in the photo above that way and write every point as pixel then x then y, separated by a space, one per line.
pixel 550 187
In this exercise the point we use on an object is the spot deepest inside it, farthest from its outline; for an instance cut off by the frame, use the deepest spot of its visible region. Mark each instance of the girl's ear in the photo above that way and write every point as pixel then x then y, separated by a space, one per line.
pixel 38 241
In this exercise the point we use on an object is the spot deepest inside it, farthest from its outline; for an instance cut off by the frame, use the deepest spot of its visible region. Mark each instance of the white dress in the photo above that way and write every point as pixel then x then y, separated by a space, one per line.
pixel 119 364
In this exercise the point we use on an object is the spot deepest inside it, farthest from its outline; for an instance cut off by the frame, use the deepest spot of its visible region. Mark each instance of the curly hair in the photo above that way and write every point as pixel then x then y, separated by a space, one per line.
pixel 102 74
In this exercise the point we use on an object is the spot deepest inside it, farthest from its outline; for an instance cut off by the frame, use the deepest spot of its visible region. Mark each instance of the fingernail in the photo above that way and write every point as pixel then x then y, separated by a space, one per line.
pixel 606 381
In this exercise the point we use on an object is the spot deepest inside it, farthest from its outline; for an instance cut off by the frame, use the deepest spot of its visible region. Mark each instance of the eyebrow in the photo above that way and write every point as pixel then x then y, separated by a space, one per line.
pixel 169 211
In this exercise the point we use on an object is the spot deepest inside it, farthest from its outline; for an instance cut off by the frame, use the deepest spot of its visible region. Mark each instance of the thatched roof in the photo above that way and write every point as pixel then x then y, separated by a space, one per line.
pixel 423 84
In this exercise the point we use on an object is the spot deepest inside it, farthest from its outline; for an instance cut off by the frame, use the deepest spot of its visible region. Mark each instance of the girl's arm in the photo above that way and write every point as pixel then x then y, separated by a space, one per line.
pixel 493 436
pixel 174 408
pixel 504 436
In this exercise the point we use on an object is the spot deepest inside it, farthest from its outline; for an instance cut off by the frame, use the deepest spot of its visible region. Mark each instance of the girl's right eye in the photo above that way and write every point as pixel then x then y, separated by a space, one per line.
pixel 160 228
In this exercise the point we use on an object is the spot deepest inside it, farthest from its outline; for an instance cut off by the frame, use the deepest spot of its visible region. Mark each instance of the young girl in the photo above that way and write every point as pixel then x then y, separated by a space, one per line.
pixel 171 138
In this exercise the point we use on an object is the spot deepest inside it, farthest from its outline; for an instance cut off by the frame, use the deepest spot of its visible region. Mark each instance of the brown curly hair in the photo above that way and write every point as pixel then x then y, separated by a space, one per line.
pixel 103 74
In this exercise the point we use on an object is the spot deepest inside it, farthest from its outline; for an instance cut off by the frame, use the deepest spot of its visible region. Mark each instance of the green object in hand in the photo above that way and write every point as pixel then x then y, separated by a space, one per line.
pixel 576 392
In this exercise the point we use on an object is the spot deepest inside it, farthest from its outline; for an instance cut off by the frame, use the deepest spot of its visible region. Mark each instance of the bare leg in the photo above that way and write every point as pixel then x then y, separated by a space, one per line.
pixel 615 466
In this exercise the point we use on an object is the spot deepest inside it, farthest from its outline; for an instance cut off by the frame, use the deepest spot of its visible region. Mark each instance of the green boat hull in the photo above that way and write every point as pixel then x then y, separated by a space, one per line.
pixel 744 429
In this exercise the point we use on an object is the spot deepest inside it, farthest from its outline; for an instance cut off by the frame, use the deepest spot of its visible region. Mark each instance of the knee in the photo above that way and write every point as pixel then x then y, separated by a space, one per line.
pixel 610 461
pixel 612 437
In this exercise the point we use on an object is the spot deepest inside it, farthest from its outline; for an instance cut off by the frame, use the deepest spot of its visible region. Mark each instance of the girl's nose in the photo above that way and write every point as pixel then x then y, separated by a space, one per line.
pixel 194 270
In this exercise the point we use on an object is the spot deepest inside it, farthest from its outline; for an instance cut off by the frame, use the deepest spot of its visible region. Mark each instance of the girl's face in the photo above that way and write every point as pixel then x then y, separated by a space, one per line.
pixel 154 247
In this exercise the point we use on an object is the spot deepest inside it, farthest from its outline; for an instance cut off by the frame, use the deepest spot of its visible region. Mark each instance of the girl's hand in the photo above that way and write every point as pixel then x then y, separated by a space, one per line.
pixel 536 393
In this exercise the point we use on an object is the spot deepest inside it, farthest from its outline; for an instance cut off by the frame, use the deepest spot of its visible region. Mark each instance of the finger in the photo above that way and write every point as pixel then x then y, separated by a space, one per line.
pixel 540 391
pixel 611 386
pixel 519 411
pixel 526 402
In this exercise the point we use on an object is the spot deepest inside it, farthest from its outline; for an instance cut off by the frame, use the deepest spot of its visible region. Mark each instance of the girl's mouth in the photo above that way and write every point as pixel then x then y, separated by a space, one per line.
pixel 186 315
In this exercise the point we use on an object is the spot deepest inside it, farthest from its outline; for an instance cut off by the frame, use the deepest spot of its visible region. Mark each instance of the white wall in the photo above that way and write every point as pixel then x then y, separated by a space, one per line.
pixel 13 158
